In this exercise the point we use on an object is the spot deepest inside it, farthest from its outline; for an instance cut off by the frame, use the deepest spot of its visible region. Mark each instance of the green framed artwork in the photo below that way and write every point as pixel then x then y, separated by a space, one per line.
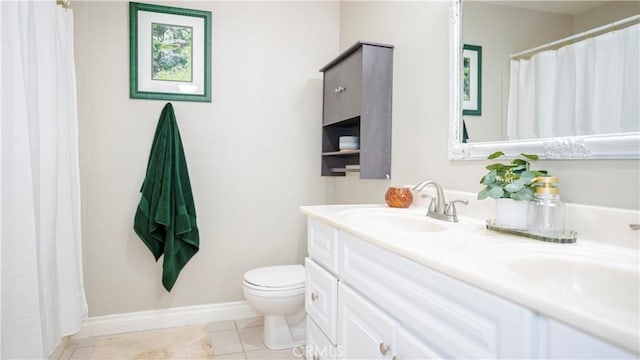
pixel 471 80
pixel 169 53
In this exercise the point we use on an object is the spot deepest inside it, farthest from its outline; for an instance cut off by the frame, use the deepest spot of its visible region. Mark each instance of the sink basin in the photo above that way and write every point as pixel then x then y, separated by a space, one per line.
pixel 602 283
pixel 385 219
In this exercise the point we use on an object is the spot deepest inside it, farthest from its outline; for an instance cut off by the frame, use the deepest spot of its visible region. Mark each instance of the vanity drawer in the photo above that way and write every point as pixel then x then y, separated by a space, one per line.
pixel 322 244
pixel 452 318
pixel 318 345
pixel 321 298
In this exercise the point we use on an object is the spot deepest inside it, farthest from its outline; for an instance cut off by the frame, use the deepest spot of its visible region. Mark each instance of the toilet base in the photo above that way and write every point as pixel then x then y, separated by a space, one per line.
pixel 284 332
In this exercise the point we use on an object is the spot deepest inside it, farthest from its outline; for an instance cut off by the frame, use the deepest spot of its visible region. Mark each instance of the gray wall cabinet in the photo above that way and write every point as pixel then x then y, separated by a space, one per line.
pixel 357 102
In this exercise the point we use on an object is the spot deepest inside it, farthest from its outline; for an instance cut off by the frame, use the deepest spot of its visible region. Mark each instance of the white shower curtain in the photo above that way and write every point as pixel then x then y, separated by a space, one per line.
pixel 43 295
pixel 590 87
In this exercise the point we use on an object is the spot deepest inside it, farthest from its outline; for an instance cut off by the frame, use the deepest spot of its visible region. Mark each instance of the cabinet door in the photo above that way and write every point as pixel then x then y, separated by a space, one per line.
pixel 560 341
pixel 343 89
pixel 458 320
pixel 321 302
pixel 410 347
pixel 364 331
pixel 318 345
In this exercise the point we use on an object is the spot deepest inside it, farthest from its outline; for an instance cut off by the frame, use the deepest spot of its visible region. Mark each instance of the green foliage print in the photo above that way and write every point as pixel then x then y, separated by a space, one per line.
pixel 172 55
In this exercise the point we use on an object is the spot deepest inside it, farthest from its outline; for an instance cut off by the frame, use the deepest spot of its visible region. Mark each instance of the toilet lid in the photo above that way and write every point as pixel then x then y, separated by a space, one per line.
pixel 284 276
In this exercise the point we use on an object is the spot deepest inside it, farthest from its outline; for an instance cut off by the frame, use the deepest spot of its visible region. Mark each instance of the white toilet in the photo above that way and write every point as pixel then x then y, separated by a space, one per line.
pixel 278 293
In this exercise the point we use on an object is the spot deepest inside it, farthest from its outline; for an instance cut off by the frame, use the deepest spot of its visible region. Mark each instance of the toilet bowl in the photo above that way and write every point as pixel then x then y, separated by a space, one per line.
pixel 278 293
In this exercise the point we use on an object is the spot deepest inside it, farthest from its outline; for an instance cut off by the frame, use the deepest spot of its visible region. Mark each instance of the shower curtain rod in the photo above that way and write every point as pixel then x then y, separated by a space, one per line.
pixel 64 3
pixel 583 35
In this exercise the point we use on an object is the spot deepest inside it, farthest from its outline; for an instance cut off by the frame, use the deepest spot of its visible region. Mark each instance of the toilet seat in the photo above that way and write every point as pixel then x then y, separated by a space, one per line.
pixel 276 278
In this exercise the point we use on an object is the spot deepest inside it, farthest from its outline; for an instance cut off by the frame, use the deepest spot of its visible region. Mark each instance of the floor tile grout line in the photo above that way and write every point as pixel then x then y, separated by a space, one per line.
pixel 244 352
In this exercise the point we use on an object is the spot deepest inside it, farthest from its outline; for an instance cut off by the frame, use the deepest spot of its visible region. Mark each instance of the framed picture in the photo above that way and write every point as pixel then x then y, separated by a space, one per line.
pixel 169 53
pixel 471 80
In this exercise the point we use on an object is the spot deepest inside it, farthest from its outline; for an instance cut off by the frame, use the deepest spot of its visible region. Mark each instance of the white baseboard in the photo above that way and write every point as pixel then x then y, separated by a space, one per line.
pixel 164 318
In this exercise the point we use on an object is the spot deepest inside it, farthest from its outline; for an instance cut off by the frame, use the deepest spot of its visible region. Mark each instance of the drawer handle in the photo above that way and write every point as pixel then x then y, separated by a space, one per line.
pixel 384 349
pixel 314 297
pixel 339 89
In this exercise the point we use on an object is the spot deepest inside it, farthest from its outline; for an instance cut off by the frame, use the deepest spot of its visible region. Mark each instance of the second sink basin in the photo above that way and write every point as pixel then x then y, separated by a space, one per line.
pixel 589 280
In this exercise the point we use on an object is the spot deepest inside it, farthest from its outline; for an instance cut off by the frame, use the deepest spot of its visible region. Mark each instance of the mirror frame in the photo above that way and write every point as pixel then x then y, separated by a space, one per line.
pixel 609 146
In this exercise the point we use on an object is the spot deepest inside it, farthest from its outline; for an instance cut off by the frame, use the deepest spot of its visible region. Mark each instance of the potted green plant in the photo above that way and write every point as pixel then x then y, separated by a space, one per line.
pixel 510 184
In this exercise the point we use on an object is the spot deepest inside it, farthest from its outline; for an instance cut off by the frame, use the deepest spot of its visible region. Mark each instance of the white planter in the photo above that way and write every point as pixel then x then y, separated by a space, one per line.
pixel 512 213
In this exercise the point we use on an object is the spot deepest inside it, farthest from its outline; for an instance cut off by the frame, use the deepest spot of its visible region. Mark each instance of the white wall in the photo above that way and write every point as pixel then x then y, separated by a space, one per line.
pixel 253 153
pixel 502 31
pixel 608 13
pixel 420 32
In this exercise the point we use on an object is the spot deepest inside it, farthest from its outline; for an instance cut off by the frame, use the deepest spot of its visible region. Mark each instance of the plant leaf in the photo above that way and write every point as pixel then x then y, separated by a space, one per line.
pixel 496 193
pixel 495 155
pixel 483 193
pixel 530 156
pixel 497 167
pixel 489 179
pixel 525 194
pixel 515 186
pixel 527 176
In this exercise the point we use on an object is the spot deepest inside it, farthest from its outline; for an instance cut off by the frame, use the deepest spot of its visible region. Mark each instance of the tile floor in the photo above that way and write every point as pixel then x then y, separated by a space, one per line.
pixel 231 340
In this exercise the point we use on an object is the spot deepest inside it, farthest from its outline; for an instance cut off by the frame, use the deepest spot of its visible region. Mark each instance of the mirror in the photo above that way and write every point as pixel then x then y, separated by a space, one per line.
pixel 516 45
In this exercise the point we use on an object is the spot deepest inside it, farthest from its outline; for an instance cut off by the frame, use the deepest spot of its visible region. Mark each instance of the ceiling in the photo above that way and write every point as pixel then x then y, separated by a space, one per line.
pixel 560 7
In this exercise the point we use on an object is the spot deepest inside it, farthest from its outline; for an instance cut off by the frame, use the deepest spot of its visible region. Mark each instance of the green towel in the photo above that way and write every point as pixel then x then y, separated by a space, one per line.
pixel 166 215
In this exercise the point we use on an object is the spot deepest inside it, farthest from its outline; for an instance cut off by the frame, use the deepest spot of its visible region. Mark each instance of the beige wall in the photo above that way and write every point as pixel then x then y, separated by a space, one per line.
pixel 420 31
pixel 252 152
pixel 502 31
pixel 610 12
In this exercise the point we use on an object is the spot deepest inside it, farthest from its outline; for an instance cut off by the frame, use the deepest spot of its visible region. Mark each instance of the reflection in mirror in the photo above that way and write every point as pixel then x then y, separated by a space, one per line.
pixel 560 73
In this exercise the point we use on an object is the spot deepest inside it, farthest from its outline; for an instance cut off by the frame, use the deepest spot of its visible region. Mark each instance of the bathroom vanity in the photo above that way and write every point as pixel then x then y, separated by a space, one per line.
pixel 387 283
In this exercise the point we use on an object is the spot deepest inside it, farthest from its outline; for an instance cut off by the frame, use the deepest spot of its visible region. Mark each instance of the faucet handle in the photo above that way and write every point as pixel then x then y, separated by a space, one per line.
pixel 432 204
pixel 451 207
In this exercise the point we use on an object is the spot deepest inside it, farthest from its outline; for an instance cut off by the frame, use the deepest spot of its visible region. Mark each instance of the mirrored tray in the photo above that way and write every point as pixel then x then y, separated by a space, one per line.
pixel 568 237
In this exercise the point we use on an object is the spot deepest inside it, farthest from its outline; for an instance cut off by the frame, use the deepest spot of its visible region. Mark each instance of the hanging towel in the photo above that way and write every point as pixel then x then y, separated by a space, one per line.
pixel 166 215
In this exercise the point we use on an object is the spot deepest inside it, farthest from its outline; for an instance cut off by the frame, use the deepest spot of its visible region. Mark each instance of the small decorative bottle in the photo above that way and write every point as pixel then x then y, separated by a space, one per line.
pixel 546 210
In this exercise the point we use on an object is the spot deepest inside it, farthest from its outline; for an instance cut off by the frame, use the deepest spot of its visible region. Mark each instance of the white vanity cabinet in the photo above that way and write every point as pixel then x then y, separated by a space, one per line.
pixel 559 341
pixel 318 347
pixel 450 318
pixel 365 302
pixel 368 332
pixel 321 302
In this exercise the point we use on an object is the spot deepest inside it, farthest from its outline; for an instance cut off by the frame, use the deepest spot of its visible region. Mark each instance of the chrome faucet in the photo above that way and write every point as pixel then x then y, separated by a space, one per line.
pixel 438 207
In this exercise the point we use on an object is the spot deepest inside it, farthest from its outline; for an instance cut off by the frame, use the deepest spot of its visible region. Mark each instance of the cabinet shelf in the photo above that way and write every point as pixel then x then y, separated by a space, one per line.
pixel 341 153
pixel 357 90
pixel 344 170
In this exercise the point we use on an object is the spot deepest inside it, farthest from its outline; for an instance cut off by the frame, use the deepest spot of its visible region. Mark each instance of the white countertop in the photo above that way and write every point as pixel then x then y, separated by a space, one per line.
pixel 605 307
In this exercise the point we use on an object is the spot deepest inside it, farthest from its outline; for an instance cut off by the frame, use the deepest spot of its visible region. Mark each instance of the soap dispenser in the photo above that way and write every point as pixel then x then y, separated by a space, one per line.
pixel 546 210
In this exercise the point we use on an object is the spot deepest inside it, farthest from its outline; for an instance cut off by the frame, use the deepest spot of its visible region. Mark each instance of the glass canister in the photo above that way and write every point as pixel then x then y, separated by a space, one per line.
pixel 546 210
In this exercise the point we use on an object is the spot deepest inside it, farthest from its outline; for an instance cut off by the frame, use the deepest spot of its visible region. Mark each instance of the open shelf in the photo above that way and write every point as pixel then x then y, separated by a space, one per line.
pixel 341 153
